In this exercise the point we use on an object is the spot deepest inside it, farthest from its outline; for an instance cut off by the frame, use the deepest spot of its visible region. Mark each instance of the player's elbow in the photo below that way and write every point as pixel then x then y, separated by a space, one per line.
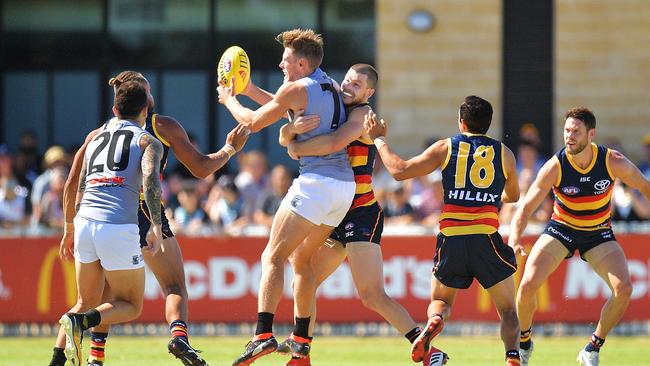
pixel 200 173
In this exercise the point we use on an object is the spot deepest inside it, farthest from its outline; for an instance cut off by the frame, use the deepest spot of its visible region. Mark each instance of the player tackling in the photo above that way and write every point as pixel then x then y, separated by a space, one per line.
pixel 582 177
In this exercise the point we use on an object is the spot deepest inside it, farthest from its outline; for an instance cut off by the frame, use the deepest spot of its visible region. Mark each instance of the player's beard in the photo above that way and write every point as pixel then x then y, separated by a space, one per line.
pixel 577 148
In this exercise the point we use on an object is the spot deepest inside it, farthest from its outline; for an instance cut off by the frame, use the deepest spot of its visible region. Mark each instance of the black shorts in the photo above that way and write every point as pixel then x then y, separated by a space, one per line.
pixel 144 223
pixel 580 240
pixel 461 258
pixel 364 223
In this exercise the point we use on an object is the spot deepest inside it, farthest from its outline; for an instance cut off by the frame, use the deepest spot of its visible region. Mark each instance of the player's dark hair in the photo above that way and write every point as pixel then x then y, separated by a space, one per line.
pixel 584 114
pixel 369 71
pixel 305 43
pixel 477 114
pixel 130 99
pixel 125 76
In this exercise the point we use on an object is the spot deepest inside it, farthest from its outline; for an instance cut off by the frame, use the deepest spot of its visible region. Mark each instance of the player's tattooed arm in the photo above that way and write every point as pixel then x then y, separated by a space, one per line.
pixel 151 155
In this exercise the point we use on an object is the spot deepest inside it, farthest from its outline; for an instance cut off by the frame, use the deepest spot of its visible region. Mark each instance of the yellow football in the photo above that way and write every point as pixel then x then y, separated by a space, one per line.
pixel 234 63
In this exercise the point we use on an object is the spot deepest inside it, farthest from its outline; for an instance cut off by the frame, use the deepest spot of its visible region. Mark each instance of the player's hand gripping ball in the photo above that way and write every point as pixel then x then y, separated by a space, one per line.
pixel 234 63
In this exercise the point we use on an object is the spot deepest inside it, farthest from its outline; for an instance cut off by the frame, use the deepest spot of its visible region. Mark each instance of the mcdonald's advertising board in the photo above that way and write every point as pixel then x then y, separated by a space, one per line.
pixel 223 280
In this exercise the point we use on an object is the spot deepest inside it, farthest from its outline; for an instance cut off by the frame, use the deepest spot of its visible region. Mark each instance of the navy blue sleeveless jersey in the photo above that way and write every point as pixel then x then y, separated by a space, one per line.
pixel 583 196
pixel 150 126
pixel 473 178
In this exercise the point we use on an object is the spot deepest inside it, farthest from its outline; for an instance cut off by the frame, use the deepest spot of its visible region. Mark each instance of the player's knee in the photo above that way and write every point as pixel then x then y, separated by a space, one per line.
pixel 372 299
pixel 270 258
pixel 623 290
pixel 529 287
pixel 509 314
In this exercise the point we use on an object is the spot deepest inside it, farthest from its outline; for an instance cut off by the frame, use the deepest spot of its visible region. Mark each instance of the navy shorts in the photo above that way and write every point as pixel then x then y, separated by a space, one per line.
pixel 580 240
pixel 461 258
pixel 144 223
pixel 364 224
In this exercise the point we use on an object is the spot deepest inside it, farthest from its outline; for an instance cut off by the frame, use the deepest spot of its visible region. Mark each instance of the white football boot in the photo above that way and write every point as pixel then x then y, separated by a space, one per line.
pixel 588 358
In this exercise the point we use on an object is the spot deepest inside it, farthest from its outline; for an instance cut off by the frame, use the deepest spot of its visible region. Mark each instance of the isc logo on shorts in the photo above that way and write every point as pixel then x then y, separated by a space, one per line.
pixel 137 259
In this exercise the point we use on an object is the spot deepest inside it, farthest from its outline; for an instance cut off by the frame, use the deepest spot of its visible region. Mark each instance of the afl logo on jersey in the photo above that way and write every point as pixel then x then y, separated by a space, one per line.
pixel 602 185
pixel 570 190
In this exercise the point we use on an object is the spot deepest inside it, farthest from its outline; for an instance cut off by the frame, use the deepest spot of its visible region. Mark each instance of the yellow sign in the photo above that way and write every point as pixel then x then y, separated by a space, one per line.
pixel 43 297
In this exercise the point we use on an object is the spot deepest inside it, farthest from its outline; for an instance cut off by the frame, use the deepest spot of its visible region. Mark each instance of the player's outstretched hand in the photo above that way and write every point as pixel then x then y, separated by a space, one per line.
pixel 66 248
pixel 373 127
pixel 154 239
pixel 304 124
pixel 238 137
pixel 226 92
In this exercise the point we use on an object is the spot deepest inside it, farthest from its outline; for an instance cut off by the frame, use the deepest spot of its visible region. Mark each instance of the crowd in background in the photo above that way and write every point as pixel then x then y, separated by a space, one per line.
pixel 243 202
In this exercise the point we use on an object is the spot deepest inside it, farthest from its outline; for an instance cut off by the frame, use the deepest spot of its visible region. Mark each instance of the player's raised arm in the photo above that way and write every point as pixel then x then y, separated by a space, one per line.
pixel 420 165
pixel 547 177
pixel 70 199
pixel 199 164
pixel 257 94
pixel 511 190
pixel 335 141
pixel 628 173
pixel 290 96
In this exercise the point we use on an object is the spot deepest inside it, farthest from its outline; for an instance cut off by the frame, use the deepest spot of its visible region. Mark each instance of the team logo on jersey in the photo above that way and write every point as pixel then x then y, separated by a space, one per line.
pixel 570 190
pixel 349 226
pixel 295 202
pixel 137 259
pixel 602 185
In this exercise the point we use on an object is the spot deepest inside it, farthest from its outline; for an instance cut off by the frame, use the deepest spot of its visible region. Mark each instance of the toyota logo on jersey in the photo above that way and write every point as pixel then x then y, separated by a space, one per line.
pixel 602 185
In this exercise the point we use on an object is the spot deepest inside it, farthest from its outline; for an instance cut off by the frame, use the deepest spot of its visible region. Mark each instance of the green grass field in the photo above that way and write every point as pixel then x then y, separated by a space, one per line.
pixel 337 351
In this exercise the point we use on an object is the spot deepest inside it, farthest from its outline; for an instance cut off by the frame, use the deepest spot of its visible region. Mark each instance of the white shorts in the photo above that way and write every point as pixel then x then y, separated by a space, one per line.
pixel 117 247
pixel 321 200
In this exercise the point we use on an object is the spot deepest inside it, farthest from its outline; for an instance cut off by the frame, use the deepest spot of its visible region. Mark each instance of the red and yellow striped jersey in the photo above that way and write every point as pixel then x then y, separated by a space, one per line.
pixel 583 196
pixel 473 178
pixel 362 159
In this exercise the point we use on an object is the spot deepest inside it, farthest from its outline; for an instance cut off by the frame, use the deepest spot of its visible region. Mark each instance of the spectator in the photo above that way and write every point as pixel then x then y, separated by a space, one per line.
pixel 189 217
pixel 52 203
pixel 628 204
pixel 224 205
pixel 398 210
pixel 55 157
pixel 12 195
pixel 382 181
pixel 432 200
pixel 281 179
pixel 252 181
pixel 528 156
pixel 28 152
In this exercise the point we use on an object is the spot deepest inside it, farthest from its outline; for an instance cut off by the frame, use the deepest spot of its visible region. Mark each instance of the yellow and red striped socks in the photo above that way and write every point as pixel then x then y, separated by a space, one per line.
pixel 178 329
pixel 524 339
pixel 97 348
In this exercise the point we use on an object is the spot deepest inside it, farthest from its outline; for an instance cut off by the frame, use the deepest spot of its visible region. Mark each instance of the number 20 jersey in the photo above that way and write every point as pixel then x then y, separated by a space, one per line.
pixel 113 174
pixel 473 178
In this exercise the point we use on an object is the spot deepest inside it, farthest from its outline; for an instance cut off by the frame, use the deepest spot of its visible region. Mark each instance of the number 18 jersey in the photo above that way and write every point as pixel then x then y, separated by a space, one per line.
pixel 473 178
pixel 113 174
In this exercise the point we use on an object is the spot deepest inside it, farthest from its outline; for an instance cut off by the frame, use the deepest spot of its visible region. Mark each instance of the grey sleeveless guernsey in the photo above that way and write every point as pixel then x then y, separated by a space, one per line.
pixel 114 174
pixel 325 101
